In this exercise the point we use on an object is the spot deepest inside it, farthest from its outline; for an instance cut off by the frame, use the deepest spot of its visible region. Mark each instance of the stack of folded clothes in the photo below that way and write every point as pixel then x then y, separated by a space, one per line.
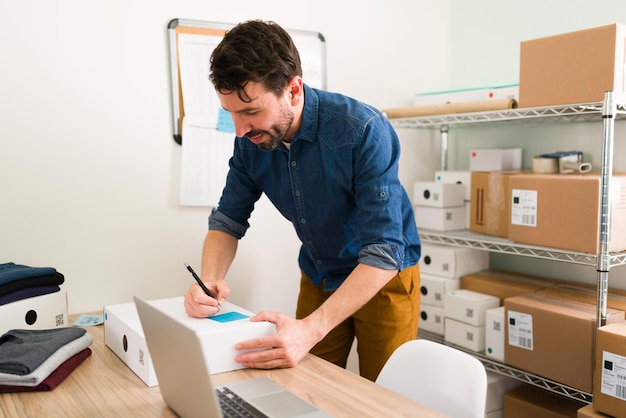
pixel 19 282
pixel 39 360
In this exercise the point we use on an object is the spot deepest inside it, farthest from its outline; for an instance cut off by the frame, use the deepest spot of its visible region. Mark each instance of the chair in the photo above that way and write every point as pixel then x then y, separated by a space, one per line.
pixel 438 376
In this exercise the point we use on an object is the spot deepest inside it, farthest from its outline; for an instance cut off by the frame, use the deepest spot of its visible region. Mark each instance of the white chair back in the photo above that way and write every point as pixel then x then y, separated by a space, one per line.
pixel 438 376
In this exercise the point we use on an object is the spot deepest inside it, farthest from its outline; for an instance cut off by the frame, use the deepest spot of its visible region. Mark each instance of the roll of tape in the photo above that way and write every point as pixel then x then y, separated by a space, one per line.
pixel 545 165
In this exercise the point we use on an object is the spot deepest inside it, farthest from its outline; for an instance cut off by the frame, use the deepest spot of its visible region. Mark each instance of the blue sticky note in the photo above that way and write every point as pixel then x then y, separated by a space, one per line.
pixel 88 320
pixel 224 121
pixel 228 317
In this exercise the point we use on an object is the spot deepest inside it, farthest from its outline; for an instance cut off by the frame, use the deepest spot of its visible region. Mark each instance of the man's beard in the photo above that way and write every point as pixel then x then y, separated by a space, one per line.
pixel 277 131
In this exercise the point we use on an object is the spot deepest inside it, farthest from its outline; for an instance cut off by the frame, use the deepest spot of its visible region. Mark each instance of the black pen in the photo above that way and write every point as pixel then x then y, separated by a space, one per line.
pixel 202 285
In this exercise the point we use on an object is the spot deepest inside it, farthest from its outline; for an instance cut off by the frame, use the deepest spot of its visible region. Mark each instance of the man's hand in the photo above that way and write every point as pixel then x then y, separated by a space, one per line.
pixel 291 343
pixel 199 305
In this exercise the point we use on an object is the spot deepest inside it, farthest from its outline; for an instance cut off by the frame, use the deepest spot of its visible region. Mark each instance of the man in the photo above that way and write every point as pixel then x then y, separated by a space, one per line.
pixel 330 165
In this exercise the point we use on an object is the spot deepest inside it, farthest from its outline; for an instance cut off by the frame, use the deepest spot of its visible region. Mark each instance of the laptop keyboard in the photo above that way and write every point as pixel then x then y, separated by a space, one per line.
pixel 233 406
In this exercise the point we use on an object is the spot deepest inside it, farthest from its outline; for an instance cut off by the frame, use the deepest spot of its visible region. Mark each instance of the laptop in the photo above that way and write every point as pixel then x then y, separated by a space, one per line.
pixel 185 380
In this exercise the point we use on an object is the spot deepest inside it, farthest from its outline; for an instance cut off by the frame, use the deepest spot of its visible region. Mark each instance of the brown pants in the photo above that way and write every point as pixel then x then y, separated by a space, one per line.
pixel 389 319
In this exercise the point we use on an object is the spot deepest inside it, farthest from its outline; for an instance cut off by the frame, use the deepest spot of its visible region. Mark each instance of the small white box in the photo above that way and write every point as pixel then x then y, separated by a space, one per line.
pixel 35 313
pixel 433 289
pixel 448 261
pixel 441 219
pixel 460 177
pixel 495 159
pixel 124 336
pixel 432 318
pixel 218 333
pixel 464 335
pixel 438 195
pixel 470 307
pixel 497 386
pixel 494 333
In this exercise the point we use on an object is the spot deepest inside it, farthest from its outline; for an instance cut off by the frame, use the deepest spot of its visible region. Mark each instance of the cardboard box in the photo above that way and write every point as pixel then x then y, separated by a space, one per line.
pixel 490 204
pixel 494 333
pixel 574 67
pixel 585 293
pixel 547 336
pixel 440 219
pixel 469 306
pixel 609 389
pixel 504 284
pixel 433 289
pixel 587 411
pixel 39 312
pixel 528 401
pixel 438 195
pixel 124 336
pixel 464 335
pixel 448 261
pixel 460 177
pixel 432 319
pixel 497 386
pixel 495 159
pixel 563 210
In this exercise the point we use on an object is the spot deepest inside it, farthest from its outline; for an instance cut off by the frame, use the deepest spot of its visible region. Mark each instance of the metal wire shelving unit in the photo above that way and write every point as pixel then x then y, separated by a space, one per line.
pixel 607 112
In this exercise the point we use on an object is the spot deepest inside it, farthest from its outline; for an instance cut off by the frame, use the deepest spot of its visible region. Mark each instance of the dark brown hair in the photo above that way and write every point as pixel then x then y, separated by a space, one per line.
pixel 254 51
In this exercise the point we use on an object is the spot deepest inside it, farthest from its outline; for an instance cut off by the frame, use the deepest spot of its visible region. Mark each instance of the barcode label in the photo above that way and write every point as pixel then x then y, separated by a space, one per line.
pixel 524 207
pixel 613 375
pixel 520 330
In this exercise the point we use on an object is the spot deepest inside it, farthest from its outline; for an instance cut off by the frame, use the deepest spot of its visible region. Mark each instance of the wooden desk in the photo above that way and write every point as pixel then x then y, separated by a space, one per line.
pixel 103 386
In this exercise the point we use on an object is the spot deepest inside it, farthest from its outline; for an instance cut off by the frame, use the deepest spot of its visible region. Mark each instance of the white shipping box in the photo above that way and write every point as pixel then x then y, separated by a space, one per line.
pixel 460 177
pixel 39 312
pixel 495 159
pixel 494 333
pixel 124 336
pixel 465 335
pixel 438 194
pixel 497 386
pixel 470 307
pixel 440 219
pixel 433 288
pixel 219 333
pixel 432 318
pixel 448 261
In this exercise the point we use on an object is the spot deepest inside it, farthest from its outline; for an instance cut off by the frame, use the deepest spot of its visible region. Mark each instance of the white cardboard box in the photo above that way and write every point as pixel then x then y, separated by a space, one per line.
pixel 495 159
pixel 469 306
pixel 124 336
pixel 433 288
pixel 39 312
pixel 448 261
pixel 432 318
pixel 461 177
pixel 497 386
pixel 494 333
pixel 464 335
pixel 440 219
pixel 438 194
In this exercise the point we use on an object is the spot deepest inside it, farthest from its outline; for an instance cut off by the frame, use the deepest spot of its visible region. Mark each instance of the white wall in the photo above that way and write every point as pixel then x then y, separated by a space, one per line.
pixel 88 167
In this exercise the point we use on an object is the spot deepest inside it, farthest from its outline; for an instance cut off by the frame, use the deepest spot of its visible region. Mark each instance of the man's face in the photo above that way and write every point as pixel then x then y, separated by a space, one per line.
pixel 265 121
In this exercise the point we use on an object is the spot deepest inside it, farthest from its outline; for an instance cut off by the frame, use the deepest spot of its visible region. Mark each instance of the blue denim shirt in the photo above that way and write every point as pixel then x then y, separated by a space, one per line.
pixel 337 184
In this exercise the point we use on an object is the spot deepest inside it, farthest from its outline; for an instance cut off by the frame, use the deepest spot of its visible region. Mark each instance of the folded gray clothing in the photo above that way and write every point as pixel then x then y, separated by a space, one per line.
pixel 22 351
pixel 52 363
pixel 10 272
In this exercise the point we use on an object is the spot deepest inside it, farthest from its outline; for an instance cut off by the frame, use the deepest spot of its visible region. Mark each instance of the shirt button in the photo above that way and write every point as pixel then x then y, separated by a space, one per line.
pixel 382 194
pixel 319 262
pixel 303 221
pixel 297 193
pixel 309 243
pixel 293 163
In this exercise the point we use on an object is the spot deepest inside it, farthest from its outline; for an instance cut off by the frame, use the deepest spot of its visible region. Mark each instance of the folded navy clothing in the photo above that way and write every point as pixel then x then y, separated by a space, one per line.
pixel 10 272
pixel 22 351
pixel 53 279
pixel 29 292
